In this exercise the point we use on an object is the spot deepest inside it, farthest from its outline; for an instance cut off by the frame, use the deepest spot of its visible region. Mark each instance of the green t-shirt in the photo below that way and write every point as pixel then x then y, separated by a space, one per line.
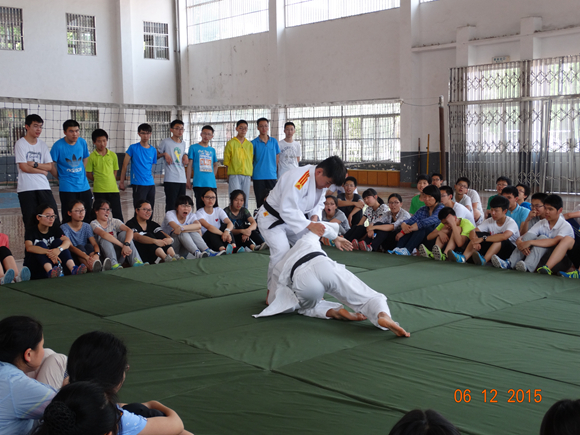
pixel 489 201
pixel 416 204
pixel 103 168
pixel 464 224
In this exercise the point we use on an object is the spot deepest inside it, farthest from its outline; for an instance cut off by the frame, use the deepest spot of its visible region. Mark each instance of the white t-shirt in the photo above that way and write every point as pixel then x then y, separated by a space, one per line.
pixel 215 219
pixel 561 228
pixel 466 201
pixel 577 209
pixel 462 212
pixel 338 189
pixel 175 172
pixel 289 153
pixel 490 226
pixel 24 152
pixel 474 196
pixel 171 216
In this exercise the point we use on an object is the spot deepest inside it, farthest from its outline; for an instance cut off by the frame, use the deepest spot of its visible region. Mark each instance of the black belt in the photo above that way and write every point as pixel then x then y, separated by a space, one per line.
pixel 274 213
pixel 303 260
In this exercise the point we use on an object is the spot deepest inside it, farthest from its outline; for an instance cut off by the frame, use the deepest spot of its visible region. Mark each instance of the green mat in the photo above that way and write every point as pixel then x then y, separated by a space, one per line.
pixel 194 345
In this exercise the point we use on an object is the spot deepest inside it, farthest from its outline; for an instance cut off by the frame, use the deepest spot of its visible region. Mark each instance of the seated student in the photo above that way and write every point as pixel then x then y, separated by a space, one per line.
pixel 419 422
pixel 114 237
pixel 216 227
pixel 334 190
pixel 100 357
pixel 149 238
pixel 537 213
pixel 500 183
pixel 8 268
pixel 22 398
pixel 47 247
pixel 84 248
pixel 183 226
pixel 245 231
pixel 389 229
pixel 436 179
pixel 375 213
pixel 349 202
pixel 523 195
pixel 563 418
pixel 416 203
pixel 415 230
pixel 515 211
pixel 331 213
pixel 79 409
pixel 496 235
pixel 469 198
pixel 540 240
pixel 460 210
pixel 573 217
pixel 452 234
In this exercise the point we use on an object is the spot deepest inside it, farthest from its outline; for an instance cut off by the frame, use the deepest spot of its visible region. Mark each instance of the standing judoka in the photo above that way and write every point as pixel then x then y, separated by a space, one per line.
pixel 294 207
pixel 305 274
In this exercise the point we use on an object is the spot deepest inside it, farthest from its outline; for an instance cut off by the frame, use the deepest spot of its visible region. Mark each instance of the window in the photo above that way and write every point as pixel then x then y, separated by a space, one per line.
pixel 89 122
pixel 211 20
pixel 81 34
pixel 426 1
pixel 156 40
pixel 159 121
pixel 11 129
pixel 300 12
pixel 11 37
pixel 360 132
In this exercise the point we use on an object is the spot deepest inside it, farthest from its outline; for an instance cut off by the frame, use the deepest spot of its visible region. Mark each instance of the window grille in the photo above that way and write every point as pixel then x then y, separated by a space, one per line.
pixel 88 121
pixel 300 12
pixel 11 129
pixel 81 34
pixel 159 120
pixel 11 36
pixel 156 40
pixel 211 20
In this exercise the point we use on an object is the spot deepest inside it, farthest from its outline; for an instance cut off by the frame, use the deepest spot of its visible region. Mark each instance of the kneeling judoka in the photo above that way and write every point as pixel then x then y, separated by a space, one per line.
pixel 305 273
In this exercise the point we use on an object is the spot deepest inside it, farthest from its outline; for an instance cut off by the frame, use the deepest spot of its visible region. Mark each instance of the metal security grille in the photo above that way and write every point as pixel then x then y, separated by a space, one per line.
pixel 300 12
pixel 518 119
pixel 89 122
pixel 11 129
pixel 81 34
pixel 156 40
pixel 210 20
pixel 224 124
pixel 355 132
pixel 11 35
pixel 159 121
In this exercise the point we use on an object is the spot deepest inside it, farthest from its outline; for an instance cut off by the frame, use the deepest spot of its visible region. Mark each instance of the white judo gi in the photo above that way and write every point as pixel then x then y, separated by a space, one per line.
pixel 303 292
pixel 296 199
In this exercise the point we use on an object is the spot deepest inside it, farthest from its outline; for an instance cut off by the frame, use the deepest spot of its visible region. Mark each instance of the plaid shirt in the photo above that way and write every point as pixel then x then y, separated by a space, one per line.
pixel 423 219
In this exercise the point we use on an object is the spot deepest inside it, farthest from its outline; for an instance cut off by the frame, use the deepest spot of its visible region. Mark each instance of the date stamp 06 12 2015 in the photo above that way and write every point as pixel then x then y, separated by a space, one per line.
pixel 491 396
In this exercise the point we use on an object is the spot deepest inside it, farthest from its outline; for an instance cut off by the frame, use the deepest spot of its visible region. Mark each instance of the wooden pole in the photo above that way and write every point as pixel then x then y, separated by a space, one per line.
pixel 419 157
pixel 428 140
pixel 442 158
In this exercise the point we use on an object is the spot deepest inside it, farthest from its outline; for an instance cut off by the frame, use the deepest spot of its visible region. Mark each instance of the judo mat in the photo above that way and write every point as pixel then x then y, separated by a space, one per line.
pixel 491 350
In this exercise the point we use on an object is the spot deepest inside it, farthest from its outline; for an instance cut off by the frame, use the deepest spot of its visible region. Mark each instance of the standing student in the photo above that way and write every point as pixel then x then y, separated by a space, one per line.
pixel 34 163
pixel 204 164
pixel 290 150
pixel 70 156
pixel 142 157
pixel 266 157
pixel 172 149
pixel 102 167
pixel 239 157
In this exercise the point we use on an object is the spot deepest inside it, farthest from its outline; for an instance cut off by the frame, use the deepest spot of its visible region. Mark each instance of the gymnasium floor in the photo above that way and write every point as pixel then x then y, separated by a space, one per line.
pixel 195 347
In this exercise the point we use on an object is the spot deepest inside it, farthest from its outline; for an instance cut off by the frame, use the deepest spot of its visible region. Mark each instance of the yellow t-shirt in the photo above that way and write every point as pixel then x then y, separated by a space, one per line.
pixel 239 157
pixel 464 224
pixel 102 168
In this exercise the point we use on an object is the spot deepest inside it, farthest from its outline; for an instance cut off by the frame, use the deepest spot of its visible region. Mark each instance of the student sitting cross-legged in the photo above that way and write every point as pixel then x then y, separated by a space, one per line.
pixel 245 231
pixel 452 234
pixel 496 235
pixel 414 231
pixel 216 227
pixel 537 213
pixel 540 240
pixel 515 211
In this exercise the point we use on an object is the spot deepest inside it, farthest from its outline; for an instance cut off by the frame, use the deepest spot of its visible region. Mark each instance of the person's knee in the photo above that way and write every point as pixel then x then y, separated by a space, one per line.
pixel 41 245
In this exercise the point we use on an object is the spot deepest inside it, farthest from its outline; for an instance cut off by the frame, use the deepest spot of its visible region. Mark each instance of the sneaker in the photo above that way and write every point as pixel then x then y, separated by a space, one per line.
pixel 97 266
pixel 499 263
pixel 394 251
pixel 424 252
pixel 107 264
pixel 116 266
pixel 402 251
pixel 168 259
pixel 79 270
pixel 459 258
pixel 138 263
pixel 8 277
pixel 24 274
pixel 211 253
pixel 362 245
pixel 479 259
pixel 263 246
pixel 521 266
pixel 354 244
pixel 573 274
pixel 54 272
pixel 437 254
pixel 241 250
pixel 544 270
pixel 229 249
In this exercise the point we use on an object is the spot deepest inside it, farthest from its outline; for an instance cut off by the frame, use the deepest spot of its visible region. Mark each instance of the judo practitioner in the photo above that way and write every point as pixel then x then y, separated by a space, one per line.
pixel 305 274
pixel 294 208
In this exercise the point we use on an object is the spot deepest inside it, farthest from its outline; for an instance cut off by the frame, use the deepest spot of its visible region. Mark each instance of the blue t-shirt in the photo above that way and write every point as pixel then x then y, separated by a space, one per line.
pixel 142 161
pixel 265 159
pixel 527 205
pixel 69 163
pixel 203 160
pixel 519 214
pixel 131 424
pixel 78 238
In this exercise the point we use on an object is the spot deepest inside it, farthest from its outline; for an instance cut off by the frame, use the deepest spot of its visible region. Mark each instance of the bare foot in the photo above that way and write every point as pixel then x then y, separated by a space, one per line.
pixel 386 322
pixel 343 314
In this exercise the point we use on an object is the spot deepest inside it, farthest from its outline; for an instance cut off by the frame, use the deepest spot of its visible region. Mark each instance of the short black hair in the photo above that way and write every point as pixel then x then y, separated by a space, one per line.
pixel 260 120
pixel 436 174
pixel 17 335
pixel 396 195
pixel 236 193
pixel 240 122
pixel 444 212
pixel 145 128
pixel 426 422
pixel 555 201
pixel 527 189
pixel 350 178
pixel 176 122
pixel 372 192
pixel 506 179
pixel 540 196
pixel 425 177
pixel 447 189
pixel 464 179
pixel 289 123
pixel 334 169
pixel 499 201
pixel 99 132
pixel 204 191
pixel 183 200
pixel 563 418
pixel 70 123
pixel 207 127
pixel 432 191
pixel 33 118
pixel 510 190
pixel 140 202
